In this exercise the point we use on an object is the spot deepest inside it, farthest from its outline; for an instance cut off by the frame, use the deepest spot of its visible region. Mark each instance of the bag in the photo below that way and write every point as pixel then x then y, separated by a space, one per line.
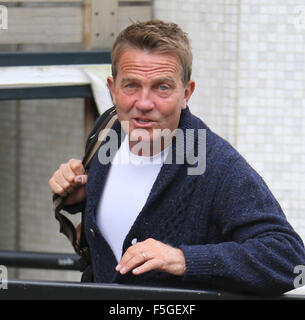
pixel 97 135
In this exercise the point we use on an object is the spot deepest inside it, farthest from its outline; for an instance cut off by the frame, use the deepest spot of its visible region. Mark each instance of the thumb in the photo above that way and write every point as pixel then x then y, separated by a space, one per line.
pixel 80 179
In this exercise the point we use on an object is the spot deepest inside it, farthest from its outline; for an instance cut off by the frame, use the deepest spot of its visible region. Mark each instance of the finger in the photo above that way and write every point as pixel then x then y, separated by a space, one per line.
pixel 132 263
pixel 128 255
pixel 67 173
pixel 80 179
pixel 152 264
pixel 56 188
pixel 61 181
pixel 76 166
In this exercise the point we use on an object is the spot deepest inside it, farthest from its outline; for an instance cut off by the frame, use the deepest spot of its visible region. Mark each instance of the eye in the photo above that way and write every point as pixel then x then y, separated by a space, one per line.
pixel 163 87
pixel 130 85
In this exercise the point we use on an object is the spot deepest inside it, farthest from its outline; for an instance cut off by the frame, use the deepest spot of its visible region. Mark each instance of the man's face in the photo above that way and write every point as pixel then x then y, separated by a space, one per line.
pixel 148 92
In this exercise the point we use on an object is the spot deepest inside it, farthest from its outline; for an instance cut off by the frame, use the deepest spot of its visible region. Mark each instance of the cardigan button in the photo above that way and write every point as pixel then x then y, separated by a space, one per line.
pixel 92 232
pixel 134 241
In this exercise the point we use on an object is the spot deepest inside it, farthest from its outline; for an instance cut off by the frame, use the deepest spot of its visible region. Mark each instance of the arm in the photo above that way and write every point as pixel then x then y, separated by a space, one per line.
pixel 260 249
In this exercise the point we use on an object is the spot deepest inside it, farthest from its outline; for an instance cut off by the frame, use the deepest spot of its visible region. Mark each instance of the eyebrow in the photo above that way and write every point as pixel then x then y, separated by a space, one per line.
pixel 154 82
pixel 165 79
pixel 127 80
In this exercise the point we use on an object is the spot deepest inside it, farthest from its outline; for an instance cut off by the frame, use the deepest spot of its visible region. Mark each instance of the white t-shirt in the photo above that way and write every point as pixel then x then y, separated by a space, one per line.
pixel 127 188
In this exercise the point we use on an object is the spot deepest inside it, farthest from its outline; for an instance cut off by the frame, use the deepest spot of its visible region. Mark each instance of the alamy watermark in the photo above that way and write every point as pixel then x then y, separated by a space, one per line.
pixel 190 146
pixel 3 18
pixel 299 280
pixel 3 277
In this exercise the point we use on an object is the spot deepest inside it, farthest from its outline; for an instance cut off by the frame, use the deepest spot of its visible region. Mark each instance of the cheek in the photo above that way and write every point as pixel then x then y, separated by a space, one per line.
pixel 170 117
pixel 123 102
pixel 171 108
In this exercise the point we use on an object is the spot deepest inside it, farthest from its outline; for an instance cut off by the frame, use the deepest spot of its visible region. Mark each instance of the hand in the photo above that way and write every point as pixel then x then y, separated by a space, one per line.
pixel 70 181
pixel 152 255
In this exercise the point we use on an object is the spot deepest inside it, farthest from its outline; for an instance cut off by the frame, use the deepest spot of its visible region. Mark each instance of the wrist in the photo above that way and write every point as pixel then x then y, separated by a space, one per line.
pixel 181 269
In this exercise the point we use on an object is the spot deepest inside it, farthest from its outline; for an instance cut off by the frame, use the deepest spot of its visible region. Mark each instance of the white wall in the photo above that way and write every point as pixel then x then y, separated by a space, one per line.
pixel 249 67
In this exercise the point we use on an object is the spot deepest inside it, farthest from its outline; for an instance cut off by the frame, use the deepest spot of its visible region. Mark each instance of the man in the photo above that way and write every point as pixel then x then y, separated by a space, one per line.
pixel 156 224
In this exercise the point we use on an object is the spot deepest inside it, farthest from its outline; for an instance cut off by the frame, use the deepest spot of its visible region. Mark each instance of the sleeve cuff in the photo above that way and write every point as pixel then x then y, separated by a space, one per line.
pixel 199 262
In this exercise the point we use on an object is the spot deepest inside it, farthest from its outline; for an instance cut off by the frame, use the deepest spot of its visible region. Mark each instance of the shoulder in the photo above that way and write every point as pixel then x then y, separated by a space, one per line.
pixel 97 124
pixel 220 154
pixel 223 162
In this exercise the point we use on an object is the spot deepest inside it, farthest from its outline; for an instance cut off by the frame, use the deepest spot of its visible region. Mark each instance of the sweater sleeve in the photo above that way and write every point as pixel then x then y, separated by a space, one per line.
pixel 259 249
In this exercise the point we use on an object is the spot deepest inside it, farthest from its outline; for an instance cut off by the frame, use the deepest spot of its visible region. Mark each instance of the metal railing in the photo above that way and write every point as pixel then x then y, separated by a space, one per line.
pixel 26 289
pixel 40 260
pixel 41 290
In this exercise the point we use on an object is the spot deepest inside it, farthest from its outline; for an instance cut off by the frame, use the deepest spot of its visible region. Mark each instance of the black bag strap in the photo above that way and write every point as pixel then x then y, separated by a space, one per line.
pixel 96 137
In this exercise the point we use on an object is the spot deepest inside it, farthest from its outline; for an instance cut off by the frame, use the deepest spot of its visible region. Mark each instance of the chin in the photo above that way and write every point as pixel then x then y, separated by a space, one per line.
pixel 139 134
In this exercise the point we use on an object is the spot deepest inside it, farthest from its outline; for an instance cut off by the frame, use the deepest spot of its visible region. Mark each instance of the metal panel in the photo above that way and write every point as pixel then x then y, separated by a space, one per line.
pixel 137 1
pixel 104 23
pixel 25 1
pixel 43 25
pixel 89 291
pixel 93 23
pixel 60 92
pixel 40 260
pixel 17 59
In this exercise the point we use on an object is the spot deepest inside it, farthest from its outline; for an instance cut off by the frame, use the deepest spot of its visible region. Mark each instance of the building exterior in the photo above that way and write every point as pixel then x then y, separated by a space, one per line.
pixel 249 68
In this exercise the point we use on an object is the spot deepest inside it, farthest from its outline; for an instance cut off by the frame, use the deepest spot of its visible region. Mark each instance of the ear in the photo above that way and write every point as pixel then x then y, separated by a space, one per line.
pixel 188 91
pixel 111 86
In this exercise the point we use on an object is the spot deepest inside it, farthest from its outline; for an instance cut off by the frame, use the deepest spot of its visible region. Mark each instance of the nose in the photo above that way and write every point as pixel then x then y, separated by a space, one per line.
pixel 144 102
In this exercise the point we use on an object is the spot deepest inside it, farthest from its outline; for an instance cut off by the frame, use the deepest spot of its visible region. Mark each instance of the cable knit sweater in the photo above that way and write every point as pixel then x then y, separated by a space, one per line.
pixel 230 227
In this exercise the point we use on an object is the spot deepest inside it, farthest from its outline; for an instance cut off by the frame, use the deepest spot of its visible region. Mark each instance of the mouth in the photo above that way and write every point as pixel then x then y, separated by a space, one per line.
pixel 143 123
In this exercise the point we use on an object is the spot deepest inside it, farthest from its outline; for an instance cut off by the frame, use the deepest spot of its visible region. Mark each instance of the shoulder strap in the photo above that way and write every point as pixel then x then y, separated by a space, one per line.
pixel 96 137
pixel 98 134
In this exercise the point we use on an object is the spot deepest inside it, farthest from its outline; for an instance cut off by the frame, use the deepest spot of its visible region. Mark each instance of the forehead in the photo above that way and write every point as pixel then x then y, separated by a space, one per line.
pixel 144 63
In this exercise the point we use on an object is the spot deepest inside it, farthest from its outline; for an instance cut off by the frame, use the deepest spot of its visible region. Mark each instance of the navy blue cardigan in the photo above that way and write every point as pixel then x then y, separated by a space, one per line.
pixel 230 227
